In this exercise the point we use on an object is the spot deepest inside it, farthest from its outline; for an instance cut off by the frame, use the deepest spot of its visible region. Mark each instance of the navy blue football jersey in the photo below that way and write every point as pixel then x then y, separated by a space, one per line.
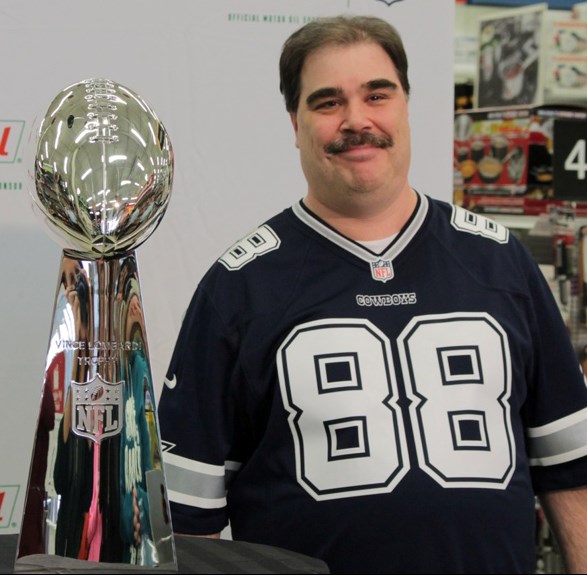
pixel 387 413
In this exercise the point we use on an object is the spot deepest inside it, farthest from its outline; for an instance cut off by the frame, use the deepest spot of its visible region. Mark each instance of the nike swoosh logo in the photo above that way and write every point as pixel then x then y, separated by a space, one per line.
pixel 171 383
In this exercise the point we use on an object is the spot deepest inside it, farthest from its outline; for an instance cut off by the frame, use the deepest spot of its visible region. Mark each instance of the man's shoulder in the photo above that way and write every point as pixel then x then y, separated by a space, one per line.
pixel 257 243
pixel 451 221
pixel 259 269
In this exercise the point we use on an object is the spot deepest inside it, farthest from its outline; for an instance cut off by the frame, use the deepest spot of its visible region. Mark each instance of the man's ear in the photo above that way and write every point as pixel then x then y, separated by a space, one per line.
pixel 294 123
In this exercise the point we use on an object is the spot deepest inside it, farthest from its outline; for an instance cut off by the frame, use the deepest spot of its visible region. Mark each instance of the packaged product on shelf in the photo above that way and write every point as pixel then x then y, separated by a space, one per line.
pixel 503 158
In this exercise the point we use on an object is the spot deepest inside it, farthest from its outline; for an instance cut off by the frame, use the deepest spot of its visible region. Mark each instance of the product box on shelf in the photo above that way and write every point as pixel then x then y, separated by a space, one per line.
pixel 504 157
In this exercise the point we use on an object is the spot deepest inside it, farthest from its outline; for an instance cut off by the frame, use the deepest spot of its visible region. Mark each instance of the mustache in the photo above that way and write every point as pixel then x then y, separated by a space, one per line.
pixel 358 139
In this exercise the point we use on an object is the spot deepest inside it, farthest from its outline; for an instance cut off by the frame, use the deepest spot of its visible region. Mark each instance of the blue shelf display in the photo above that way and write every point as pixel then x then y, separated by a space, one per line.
pixel 552 4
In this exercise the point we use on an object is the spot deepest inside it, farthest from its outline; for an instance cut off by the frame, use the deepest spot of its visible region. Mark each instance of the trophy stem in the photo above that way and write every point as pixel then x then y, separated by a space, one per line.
pixel 96 488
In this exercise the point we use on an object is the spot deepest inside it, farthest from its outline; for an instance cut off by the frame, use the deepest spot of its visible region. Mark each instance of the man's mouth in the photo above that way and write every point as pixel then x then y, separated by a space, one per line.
pixel 351 141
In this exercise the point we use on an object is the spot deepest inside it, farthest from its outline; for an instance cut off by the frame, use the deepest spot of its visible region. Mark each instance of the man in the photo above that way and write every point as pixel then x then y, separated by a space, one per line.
pixel 374 377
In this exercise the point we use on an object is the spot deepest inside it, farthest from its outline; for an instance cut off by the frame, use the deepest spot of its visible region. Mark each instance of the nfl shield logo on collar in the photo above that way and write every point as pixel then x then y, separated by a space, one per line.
pixel 381 270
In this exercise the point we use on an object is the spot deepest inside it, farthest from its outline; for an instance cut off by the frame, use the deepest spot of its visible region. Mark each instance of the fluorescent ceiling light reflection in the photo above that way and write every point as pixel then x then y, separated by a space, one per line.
pixel 139 137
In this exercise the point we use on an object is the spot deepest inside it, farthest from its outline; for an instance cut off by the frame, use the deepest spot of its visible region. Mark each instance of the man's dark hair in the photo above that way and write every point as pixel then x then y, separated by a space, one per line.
pixel 342 31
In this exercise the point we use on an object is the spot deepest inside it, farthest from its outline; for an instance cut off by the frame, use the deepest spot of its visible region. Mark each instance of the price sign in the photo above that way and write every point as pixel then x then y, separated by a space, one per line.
pixel 569 159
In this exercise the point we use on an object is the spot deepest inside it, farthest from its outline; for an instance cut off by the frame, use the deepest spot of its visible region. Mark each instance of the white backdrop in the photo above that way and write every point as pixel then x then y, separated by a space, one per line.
pixel 209 70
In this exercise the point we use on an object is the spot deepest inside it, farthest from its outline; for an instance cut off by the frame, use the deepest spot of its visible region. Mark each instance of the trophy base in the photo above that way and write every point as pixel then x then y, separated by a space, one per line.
pixel 96 498
pixel 42 563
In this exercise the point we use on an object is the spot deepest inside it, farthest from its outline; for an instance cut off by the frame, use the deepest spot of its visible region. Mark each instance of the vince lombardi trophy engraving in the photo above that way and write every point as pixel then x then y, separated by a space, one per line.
pixel 103 171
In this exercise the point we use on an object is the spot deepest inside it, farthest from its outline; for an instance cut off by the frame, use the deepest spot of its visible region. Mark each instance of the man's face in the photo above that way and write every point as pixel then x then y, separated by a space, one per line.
pixel 352 94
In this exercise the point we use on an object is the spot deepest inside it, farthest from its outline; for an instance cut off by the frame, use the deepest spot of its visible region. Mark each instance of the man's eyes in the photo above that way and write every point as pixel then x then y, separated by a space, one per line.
pixel 326 104
pixel 377 97
pixel 330 104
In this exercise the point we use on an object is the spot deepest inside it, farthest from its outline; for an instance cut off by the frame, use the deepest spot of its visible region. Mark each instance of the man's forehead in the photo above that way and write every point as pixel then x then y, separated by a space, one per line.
pixel 338 91
pixel 335 65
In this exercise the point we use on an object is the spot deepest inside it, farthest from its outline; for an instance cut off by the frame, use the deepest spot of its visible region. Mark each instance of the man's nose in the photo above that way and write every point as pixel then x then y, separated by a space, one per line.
pixel 356 117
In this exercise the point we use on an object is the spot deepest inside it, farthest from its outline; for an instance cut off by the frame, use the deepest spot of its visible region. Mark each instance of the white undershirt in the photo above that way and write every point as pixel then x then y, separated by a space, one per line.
pixel 377 246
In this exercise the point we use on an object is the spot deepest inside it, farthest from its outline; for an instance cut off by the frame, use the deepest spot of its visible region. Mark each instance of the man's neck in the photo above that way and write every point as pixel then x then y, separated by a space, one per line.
pixel 367 224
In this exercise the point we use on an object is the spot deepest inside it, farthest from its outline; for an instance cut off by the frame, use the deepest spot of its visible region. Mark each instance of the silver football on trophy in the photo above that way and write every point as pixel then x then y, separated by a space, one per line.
pixel 103 169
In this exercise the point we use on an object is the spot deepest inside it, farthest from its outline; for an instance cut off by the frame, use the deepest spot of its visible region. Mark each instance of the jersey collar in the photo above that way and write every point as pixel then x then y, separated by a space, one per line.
pixel 399 243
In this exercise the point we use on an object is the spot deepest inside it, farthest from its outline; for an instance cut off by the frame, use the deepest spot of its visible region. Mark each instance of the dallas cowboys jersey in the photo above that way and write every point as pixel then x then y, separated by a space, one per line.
pixel 390 412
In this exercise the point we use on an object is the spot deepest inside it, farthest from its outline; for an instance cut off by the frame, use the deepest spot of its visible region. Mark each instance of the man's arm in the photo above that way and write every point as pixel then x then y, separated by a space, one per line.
pixel 566 512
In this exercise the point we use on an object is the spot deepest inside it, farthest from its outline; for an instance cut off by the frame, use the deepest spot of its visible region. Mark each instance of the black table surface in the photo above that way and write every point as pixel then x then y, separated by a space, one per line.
pixel 194 555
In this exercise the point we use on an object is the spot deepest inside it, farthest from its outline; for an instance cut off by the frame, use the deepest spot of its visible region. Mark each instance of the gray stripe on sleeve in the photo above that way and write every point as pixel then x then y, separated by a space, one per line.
pixel 560 443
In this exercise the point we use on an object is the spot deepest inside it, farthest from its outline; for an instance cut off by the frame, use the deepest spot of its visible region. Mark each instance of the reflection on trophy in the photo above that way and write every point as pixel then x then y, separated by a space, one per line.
pixel 103 171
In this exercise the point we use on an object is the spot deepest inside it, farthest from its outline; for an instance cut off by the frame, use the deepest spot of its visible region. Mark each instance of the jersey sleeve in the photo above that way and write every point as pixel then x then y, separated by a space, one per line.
pixel 556 408
pixel 196 418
